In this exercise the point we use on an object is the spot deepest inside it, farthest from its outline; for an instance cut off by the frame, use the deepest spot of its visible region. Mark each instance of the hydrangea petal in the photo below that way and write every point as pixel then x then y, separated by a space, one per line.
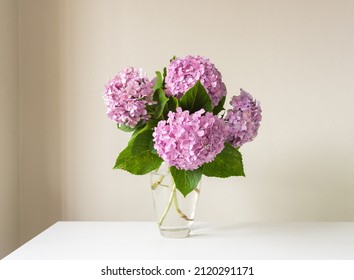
pixel 187 141
pixel 183 73
pixel 243 119
pixel 126 96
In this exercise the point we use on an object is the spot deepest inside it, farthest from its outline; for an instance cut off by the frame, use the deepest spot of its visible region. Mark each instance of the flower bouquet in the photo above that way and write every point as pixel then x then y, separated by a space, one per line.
pixel 178 118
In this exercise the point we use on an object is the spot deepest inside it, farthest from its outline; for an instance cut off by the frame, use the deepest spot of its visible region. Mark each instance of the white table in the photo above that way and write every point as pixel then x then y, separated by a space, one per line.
pixel 239 241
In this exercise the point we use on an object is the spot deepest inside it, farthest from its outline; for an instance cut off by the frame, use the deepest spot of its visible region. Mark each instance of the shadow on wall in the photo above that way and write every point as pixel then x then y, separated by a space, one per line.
pixel 41 78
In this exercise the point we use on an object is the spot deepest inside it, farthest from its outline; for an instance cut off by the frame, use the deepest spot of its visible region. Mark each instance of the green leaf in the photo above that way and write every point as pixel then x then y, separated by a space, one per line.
pixel 218 108
pixel 125 128
pixel 149 125
pixel 137 157
pixel 152 148
pixel 164 77
pixel 150 109
pixel 172 105
pixel 161 99
pixel 173 58
pixel 227 163
pixel 159 81
pixel 196 98
pixel 186 180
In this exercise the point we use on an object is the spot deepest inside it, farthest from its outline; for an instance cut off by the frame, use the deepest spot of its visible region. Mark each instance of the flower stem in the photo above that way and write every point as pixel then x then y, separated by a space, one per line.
pixel 172 198
pixel 173 194
pixel 179 211
pixel 157 182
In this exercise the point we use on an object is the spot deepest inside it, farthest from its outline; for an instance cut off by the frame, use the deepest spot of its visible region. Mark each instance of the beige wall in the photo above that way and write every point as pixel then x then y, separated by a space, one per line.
pixel 40 91
pixel 9 157
pixel 296 57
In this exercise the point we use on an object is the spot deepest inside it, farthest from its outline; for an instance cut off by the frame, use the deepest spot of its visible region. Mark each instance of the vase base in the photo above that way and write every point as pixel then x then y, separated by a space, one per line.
pixel 175 233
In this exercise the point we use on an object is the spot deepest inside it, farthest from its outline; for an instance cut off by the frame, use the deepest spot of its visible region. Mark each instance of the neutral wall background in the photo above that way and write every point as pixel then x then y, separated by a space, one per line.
pixel 9 132
pixel 296 57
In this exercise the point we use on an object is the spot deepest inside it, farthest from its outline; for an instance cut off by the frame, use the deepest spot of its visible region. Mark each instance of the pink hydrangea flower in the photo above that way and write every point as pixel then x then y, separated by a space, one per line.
pixel 126 96
pixel 187 141
pixel 243 119
pixel 183 73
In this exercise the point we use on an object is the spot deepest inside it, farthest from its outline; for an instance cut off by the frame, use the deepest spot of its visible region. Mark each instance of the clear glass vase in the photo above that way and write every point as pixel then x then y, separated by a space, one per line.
pixel 175 213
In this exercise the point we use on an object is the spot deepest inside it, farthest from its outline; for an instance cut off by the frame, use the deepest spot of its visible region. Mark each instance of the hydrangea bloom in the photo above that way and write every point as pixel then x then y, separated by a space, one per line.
pixel 187 141
pixel 183 73
pixel 126 96
pixel 243 119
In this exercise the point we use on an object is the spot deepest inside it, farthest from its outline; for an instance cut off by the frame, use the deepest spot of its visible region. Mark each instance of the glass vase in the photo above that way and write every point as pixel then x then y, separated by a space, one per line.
pixel 174 212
